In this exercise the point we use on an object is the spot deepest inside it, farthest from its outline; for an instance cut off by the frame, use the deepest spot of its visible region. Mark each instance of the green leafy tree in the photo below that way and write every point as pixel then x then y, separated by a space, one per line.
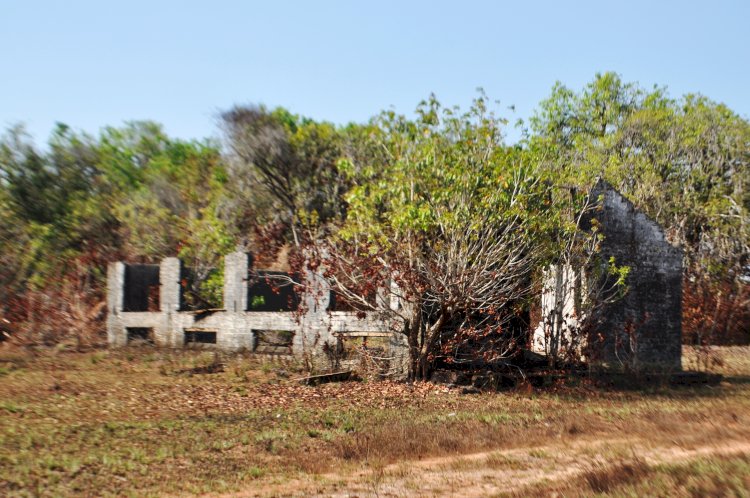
pixel 685 162
pixel 283 168
pixel 446 225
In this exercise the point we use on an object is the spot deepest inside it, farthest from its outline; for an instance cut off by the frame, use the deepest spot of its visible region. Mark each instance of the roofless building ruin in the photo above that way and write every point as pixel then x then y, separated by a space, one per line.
pixel 641 331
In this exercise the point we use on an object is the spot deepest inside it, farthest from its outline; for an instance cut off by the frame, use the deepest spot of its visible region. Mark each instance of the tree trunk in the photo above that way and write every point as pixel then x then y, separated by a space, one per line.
pixel 414 326
pixel 431 334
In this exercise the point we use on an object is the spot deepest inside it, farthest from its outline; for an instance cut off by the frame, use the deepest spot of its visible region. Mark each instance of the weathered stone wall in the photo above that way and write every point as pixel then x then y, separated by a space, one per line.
pixel 559 284
pixel 315 329
pixel 643 330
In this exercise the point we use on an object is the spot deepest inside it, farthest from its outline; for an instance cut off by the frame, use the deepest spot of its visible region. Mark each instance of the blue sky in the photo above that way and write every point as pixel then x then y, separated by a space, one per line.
pixel 96 63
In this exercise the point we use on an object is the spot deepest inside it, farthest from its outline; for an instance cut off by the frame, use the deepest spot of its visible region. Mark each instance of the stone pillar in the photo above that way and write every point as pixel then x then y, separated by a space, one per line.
pixel 395 299
pixel 313 330
pixel 388 295
pixel 317 296
pixel 170 291
pixel 236 273
pixel 116 334
pixel 170 299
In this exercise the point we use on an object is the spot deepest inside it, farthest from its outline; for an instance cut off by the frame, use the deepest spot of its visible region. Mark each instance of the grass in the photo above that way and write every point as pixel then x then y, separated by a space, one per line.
pixel 716 476
pixel 140 422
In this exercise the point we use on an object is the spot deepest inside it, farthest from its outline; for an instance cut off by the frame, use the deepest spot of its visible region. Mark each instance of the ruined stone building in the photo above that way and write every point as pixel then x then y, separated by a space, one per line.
pixel 145 302
pixel 643 329
pixel 651 310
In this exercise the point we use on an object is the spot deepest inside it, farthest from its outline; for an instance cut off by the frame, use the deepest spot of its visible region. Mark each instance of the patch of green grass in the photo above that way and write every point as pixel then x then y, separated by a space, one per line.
pixel 256 472
pixel 538 453
pixel 10 407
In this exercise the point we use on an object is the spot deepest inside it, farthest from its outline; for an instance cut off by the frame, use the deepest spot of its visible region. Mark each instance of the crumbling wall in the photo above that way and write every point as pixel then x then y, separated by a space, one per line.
pixel 643 330
pixel 311 332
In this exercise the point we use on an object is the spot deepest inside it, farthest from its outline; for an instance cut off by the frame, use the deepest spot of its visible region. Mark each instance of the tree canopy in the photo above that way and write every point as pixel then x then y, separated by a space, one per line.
pixel 438 199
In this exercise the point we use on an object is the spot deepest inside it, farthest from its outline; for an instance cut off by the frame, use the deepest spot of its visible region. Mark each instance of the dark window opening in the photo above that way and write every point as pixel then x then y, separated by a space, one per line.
pixel 141 288
pixel 200 337
pixel 270 291
pixel 273 342
pixel 140 335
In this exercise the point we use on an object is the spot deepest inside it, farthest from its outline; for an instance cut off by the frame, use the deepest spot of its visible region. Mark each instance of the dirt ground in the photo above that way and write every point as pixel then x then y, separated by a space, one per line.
pixel 519 472
pixel 149 422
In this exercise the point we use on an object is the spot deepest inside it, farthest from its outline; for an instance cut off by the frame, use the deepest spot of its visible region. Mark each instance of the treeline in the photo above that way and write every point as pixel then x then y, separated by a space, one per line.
pixel 278 180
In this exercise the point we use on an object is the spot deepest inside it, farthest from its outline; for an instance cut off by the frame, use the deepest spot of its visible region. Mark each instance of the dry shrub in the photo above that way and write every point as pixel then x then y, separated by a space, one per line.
pixel 69 310
pixel 408 440
pixel 715 312
pixel 601 477
pixel 311 459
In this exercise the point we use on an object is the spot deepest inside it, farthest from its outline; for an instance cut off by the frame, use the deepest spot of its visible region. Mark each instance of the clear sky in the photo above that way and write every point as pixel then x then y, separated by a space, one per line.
pixel 96 63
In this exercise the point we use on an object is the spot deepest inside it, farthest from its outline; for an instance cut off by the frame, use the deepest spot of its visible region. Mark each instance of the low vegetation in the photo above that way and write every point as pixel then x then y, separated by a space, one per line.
pixel 153 422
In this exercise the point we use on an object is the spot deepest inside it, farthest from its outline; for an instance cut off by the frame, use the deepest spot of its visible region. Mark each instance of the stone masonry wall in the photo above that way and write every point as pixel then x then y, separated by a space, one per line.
pixel 236 327
pixel 643 330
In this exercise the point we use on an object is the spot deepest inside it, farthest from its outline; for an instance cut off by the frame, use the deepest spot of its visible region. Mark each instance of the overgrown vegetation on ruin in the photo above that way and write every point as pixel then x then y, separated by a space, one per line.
pixel 418 196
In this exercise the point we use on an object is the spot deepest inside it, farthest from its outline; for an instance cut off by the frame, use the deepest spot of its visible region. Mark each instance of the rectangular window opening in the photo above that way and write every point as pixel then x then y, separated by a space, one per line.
pixel 278 342
pixel 141 288
pixel 200 336
pixel 140 335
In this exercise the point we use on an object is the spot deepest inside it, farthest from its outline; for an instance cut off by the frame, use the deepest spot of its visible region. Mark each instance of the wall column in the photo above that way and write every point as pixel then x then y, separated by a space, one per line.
pixel 236 274
pixel 170 299
pixel 116 335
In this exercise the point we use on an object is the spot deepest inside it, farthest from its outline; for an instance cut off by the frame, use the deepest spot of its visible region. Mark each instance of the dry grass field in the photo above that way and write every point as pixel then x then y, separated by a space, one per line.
pixel 149 422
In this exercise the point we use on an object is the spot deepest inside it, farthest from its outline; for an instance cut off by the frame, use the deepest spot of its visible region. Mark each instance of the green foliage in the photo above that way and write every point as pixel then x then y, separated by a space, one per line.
pixel 282 168
pixel 132 194
pixel 257 302
pixel 685 161
pixel 444 171
pixel 394 184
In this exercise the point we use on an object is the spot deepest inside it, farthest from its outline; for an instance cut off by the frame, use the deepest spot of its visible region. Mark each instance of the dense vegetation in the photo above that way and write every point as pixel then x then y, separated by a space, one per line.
pixel 281 181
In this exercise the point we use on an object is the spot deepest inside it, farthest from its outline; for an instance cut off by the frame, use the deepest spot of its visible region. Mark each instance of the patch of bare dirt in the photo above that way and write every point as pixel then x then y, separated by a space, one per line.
pixel 489 473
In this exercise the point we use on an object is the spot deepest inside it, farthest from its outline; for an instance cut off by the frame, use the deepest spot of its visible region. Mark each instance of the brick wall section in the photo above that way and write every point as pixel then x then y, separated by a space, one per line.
pixel 643 330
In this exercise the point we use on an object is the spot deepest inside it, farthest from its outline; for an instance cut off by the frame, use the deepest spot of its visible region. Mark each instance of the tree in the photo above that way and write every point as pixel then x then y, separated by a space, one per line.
pixel 175 211
pixel 284 165
pixel 131 193
pixel 685 162
pixel 447 227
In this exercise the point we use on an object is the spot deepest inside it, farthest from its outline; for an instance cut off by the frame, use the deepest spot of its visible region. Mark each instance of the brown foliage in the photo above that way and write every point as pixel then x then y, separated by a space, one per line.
pixel 68 310
pixel 715 312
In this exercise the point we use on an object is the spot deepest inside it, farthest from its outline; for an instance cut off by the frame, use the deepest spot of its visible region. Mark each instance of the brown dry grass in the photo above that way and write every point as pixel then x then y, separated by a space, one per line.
pixel 137 422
